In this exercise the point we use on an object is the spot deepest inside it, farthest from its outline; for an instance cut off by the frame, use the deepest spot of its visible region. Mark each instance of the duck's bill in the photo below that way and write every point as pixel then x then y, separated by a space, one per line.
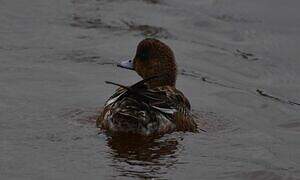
pixel 128 64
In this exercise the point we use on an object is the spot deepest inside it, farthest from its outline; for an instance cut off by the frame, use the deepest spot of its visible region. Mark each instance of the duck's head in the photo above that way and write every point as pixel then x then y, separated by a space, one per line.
pixel 153 58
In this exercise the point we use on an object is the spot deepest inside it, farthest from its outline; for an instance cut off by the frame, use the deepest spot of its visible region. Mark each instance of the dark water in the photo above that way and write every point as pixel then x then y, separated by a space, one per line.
pixel 238 64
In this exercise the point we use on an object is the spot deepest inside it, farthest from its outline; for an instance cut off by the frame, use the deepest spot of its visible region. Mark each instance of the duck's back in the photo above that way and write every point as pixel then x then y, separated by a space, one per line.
pixel 147 111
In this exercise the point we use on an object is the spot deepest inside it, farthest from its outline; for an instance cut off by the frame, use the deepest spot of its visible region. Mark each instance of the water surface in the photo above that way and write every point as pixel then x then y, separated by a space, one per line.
pixel 238 64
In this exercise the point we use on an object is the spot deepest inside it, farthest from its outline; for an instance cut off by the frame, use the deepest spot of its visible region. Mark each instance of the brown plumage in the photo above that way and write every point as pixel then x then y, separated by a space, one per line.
pixel 153 57
pixel 153 105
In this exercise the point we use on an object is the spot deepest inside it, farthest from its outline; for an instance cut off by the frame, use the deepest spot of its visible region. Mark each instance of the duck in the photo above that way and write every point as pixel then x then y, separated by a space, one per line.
pixel 152 106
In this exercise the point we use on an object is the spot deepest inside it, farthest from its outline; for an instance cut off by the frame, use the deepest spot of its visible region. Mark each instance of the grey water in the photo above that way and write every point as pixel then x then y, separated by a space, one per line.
pixel 238 64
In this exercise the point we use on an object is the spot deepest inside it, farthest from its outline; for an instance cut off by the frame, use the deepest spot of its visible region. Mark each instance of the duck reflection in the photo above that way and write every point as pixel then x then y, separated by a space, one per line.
pixel 143 157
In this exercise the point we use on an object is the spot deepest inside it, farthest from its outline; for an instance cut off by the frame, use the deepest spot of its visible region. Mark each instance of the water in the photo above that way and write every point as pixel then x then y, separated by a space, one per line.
pixel 238 64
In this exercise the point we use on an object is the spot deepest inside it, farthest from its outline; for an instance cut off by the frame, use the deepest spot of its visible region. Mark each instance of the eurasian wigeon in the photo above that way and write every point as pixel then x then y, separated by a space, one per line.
pixel 153 105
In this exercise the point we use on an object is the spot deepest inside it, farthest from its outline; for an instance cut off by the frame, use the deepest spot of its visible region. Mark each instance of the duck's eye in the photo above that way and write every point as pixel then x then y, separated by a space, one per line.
pixel 144 55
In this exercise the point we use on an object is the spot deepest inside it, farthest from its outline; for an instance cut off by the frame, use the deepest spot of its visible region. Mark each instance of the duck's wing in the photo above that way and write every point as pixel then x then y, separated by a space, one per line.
pixel 174 104
pixel 136 90
pixel 128 99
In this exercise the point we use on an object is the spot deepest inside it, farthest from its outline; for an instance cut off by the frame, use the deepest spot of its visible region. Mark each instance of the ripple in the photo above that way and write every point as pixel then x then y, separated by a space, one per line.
pixel 81 116
pixel 211 122
pixel 91 23
pixel 152 1
pixel 148 30
pixel 235 19
pixel 245 55
pixel 293 126
pixel 143 157
pixel 260 175
pixel 81 56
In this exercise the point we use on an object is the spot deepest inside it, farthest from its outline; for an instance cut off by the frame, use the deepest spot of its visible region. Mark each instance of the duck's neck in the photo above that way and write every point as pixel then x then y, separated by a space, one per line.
pixel 162 81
